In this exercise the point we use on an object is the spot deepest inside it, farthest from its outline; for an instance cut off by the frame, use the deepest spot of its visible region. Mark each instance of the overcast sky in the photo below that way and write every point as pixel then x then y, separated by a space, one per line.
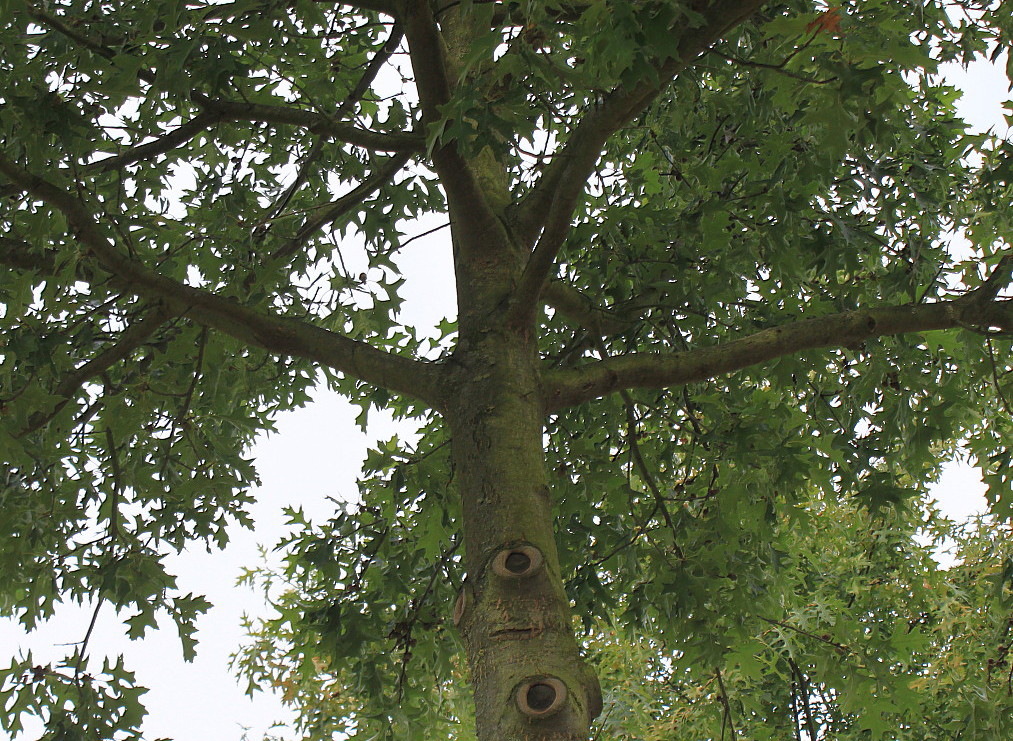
pixel 316 453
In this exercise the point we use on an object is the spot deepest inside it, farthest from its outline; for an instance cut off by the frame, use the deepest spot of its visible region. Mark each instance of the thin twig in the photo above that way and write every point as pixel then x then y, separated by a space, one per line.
pixel 631 435
pixel 178 136
pixel 198 372
pixel 779 68
pixel 334 210
pixel 356 583
pixel 426 233
pixel 407 626
pixel 803 684
pixel 839 646
pixel 727 719
pixel 79 662
pixel 114 496
pixel 370 73
pixel 645 473
pixel 601 723
pixel 995 377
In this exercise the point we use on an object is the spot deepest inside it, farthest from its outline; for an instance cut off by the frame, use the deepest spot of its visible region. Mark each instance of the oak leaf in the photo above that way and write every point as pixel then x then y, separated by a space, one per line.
pixel 828 21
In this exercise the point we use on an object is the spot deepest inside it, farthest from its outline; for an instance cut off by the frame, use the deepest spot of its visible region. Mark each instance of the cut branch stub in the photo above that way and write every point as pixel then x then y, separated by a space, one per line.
pixel 460 605
pixel 541 697
pixel 517 562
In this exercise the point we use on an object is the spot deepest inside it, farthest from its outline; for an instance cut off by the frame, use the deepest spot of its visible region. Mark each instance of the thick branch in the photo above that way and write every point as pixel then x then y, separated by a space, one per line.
pixel 470 210
pixel 277 334
pixel 564 388
pixel 19 254
pixel 557 191
pixel 428 57
pixel 550 205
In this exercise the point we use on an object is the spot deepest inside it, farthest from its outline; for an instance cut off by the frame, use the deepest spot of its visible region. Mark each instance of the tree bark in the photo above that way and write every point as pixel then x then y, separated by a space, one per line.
pixel 528 677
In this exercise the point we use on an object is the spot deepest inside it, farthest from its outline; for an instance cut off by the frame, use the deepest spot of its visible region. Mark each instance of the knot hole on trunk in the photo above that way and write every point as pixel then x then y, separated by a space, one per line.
pixel 517 562
pixel 541 697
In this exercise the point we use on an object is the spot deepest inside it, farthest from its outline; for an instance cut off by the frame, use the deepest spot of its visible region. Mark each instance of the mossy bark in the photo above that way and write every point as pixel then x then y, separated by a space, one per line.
pixel 528 677
pixel 527 674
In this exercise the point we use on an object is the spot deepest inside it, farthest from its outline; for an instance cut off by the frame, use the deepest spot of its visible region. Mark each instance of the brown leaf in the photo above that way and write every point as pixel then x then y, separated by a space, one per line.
pixel 828 21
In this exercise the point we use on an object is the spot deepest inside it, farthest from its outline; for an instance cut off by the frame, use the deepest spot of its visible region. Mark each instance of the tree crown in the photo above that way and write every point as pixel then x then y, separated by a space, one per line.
pixel 761 262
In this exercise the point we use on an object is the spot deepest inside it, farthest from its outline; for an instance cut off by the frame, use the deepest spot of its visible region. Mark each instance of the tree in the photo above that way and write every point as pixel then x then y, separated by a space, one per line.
pixel 720 266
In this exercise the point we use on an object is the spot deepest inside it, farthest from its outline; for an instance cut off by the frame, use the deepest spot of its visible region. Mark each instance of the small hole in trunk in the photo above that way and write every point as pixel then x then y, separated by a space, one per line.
pixel 518 562
pixel 540 697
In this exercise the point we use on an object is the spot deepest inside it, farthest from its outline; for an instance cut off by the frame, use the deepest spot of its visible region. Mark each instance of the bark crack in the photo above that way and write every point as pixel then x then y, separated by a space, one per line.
pixel 516 633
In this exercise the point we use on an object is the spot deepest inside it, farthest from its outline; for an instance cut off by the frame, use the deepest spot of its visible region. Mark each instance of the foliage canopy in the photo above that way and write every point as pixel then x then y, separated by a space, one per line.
pixel 731 281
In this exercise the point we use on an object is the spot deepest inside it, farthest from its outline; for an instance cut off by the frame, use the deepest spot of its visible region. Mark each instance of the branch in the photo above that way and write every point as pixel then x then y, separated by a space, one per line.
pixel 778 68
pixel 132 337
pixel 215 112
pixel 839 646
pixel 573 386
pixel 578 308
pixel 726 720
pixel 551 203
pixel 803 695
pixel 597 320
pixel 274 333
pixel 377 6
pixel 470 209
pixel 19 254
pixel 564 179
pixel 428 57
pixel 317 123
pixel 48 20
pixel 372 70
pixel 22 255
pixel 336 209
pixel 226 110
pixel 987 292
pixel 178 136
pixel 511 13
pixel 645 473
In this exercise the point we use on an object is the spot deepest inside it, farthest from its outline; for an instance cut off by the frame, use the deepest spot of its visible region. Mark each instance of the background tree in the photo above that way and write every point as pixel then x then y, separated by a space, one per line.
pixel 857 633
pixel 722 269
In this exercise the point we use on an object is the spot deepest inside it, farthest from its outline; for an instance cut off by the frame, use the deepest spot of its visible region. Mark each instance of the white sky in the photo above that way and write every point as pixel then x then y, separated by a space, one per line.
pixel 316 453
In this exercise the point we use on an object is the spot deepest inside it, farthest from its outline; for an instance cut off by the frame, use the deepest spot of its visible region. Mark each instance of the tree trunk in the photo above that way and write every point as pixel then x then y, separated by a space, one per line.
pixel 529 680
